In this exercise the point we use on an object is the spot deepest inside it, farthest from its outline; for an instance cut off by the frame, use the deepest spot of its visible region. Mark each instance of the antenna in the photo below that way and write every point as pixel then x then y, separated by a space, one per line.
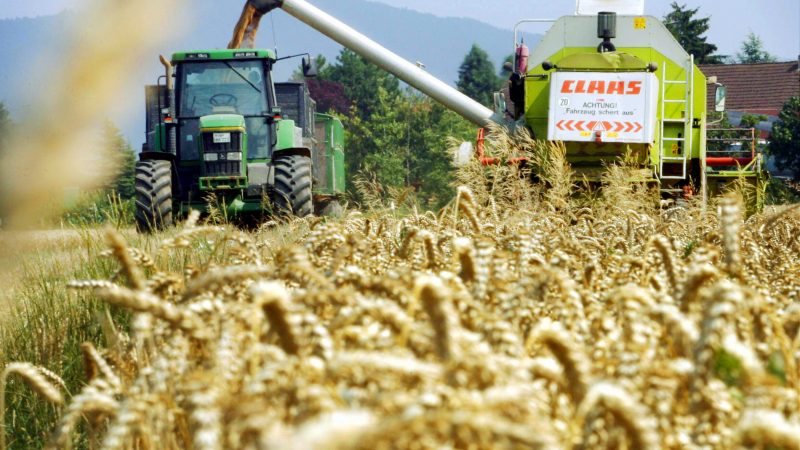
pixel 274 35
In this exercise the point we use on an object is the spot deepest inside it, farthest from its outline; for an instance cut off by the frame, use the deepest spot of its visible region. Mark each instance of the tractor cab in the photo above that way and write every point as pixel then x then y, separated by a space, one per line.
pixel 215 122
pixel 229 104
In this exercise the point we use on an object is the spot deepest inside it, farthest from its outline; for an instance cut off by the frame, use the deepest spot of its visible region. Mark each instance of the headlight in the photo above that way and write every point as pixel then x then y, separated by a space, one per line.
pixel 234 156
pixel 211 157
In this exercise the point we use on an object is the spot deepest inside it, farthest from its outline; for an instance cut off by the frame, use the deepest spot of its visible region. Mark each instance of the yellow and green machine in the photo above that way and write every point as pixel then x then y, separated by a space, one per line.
pixel 222 133
pixel 663 120
pixel 605 84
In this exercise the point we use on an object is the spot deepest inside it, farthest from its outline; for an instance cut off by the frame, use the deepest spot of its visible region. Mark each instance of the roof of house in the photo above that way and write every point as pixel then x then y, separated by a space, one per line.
pixel 755 88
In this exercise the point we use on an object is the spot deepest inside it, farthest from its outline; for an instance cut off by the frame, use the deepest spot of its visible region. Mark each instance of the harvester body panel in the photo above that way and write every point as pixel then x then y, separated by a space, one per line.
pixel 667 137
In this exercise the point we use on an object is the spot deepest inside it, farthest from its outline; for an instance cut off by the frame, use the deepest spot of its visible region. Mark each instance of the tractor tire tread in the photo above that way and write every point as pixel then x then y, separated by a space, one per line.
pixel 153 196
pixel 293 183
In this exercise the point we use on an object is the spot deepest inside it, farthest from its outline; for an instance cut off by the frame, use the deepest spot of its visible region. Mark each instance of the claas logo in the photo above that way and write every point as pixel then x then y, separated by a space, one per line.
pixel 601 87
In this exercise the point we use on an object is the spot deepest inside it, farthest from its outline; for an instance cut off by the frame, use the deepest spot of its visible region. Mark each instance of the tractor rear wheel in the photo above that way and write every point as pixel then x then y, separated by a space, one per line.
pixel 153 196
pixel 293 185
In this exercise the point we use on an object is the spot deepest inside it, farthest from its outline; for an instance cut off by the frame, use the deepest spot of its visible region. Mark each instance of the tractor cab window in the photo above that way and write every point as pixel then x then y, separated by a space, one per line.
pixel 223 87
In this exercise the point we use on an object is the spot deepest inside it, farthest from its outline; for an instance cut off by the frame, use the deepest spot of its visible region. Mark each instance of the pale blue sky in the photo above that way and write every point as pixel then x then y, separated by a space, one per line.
pixel 777 22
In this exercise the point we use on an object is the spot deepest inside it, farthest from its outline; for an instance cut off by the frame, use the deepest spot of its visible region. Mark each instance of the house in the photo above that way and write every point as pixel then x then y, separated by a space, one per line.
pixel 760 89
pixel 755 88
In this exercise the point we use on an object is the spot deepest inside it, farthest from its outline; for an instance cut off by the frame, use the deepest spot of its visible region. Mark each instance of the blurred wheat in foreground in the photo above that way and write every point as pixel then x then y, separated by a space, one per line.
pixel 518 317
pixel 55 148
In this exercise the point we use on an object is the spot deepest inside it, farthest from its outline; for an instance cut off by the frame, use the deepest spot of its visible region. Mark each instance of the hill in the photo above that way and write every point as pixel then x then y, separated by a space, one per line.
pixel 30 45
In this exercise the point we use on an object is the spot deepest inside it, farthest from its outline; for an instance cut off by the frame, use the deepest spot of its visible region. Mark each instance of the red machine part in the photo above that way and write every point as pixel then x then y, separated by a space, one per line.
pixel 727 161
pixel 522 55
pixel 487 161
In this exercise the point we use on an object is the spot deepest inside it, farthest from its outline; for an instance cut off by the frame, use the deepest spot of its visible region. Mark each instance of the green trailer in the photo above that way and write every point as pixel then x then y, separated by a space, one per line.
pixel 221 133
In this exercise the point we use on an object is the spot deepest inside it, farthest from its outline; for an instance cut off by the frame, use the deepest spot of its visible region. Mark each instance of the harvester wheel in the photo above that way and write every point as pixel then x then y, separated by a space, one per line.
pixel 153 196
pixel 293 185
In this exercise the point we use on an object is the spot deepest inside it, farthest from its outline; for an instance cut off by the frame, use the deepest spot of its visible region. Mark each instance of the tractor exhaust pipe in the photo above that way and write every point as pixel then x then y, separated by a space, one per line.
pixel 380 56
pixel 169 70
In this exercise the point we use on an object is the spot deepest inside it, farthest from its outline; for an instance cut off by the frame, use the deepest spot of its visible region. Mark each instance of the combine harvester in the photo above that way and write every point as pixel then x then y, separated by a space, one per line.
pixel 222 134
pixel 605 81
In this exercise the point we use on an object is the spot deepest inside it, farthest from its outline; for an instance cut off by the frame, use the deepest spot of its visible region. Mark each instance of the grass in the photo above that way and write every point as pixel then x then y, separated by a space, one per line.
pixel 43 321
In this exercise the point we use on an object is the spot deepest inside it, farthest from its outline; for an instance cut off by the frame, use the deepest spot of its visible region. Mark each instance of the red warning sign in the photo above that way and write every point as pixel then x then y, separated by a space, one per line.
pixel 612 106
pixel 582 125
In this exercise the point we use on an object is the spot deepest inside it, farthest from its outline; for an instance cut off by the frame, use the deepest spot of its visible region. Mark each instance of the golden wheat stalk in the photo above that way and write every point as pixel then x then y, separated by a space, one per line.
pixel 435 298
pixel 33 376
pixel 626 411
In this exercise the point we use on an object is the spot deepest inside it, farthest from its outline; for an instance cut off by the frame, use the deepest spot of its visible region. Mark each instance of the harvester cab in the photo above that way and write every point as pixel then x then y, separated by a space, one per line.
pixel 220 129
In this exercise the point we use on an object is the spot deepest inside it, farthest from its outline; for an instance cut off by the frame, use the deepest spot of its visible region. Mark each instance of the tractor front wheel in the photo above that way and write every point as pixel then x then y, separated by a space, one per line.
pixel 153 196
pixel 293 185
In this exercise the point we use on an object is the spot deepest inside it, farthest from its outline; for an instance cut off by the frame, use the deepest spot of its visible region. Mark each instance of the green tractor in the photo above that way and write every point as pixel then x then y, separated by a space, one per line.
pixel 221 133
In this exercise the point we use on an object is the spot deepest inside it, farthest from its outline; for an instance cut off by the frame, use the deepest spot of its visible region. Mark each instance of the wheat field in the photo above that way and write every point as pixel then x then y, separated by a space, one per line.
pixel 520 316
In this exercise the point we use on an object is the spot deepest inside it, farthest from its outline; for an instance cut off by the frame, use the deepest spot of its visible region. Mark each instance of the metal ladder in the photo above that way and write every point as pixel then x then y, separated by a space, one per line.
pixel 685 142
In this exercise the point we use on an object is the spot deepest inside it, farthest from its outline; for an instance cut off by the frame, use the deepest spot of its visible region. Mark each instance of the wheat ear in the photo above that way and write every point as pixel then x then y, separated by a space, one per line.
pixel 120 250
pixel 662 245
pixel 273 298
pixel 434 296
pixel 561 344
pixel 767 429
pixel 36 380
pixel 627 412
pixel 465 254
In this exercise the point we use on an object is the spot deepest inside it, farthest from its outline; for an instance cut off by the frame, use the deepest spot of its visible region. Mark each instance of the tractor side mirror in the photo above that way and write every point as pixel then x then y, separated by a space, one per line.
pixel 721 95
pixel 309 67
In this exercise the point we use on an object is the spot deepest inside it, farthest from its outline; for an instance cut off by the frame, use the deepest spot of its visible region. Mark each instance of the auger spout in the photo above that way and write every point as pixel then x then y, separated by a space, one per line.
pixel 377 54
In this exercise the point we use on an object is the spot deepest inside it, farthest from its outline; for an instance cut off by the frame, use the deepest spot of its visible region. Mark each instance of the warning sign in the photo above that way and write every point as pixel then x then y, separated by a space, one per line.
pixel 603 107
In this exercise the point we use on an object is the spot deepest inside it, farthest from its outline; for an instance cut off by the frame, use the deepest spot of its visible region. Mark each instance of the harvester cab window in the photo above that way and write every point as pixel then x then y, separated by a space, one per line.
pixel 223 87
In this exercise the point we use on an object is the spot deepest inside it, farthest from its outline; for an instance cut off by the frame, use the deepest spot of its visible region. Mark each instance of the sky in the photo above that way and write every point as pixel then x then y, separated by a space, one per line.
pixel 776 22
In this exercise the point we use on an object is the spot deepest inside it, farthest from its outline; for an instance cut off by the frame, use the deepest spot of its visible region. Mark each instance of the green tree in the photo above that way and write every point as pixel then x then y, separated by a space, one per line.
pixel 753 51
pixel 689 31
pixel 396 136
pixel 785 141
pixel 477 77
pixel 751 120
pixel 375 144
pixel 5 126
pixel 504 72
pixel 121 160
pixel 430 126
pixel 361 80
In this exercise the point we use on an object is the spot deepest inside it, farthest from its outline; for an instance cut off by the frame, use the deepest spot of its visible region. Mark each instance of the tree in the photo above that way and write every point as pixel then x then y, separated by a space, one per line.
pixel 329 96
pixel 121 161
pixel 785 141
pixel 504 72
pixel 5 126
pixel 361 80
pixel 397 137
pixel 751 120
pixel 753 51
pixel 689 33
pixel 477 78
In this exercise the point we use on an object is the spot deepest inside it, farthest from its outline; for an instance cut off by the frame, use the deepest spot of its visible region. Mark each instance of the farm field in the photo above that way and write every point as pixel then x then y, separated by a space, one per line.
pixel 516 317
